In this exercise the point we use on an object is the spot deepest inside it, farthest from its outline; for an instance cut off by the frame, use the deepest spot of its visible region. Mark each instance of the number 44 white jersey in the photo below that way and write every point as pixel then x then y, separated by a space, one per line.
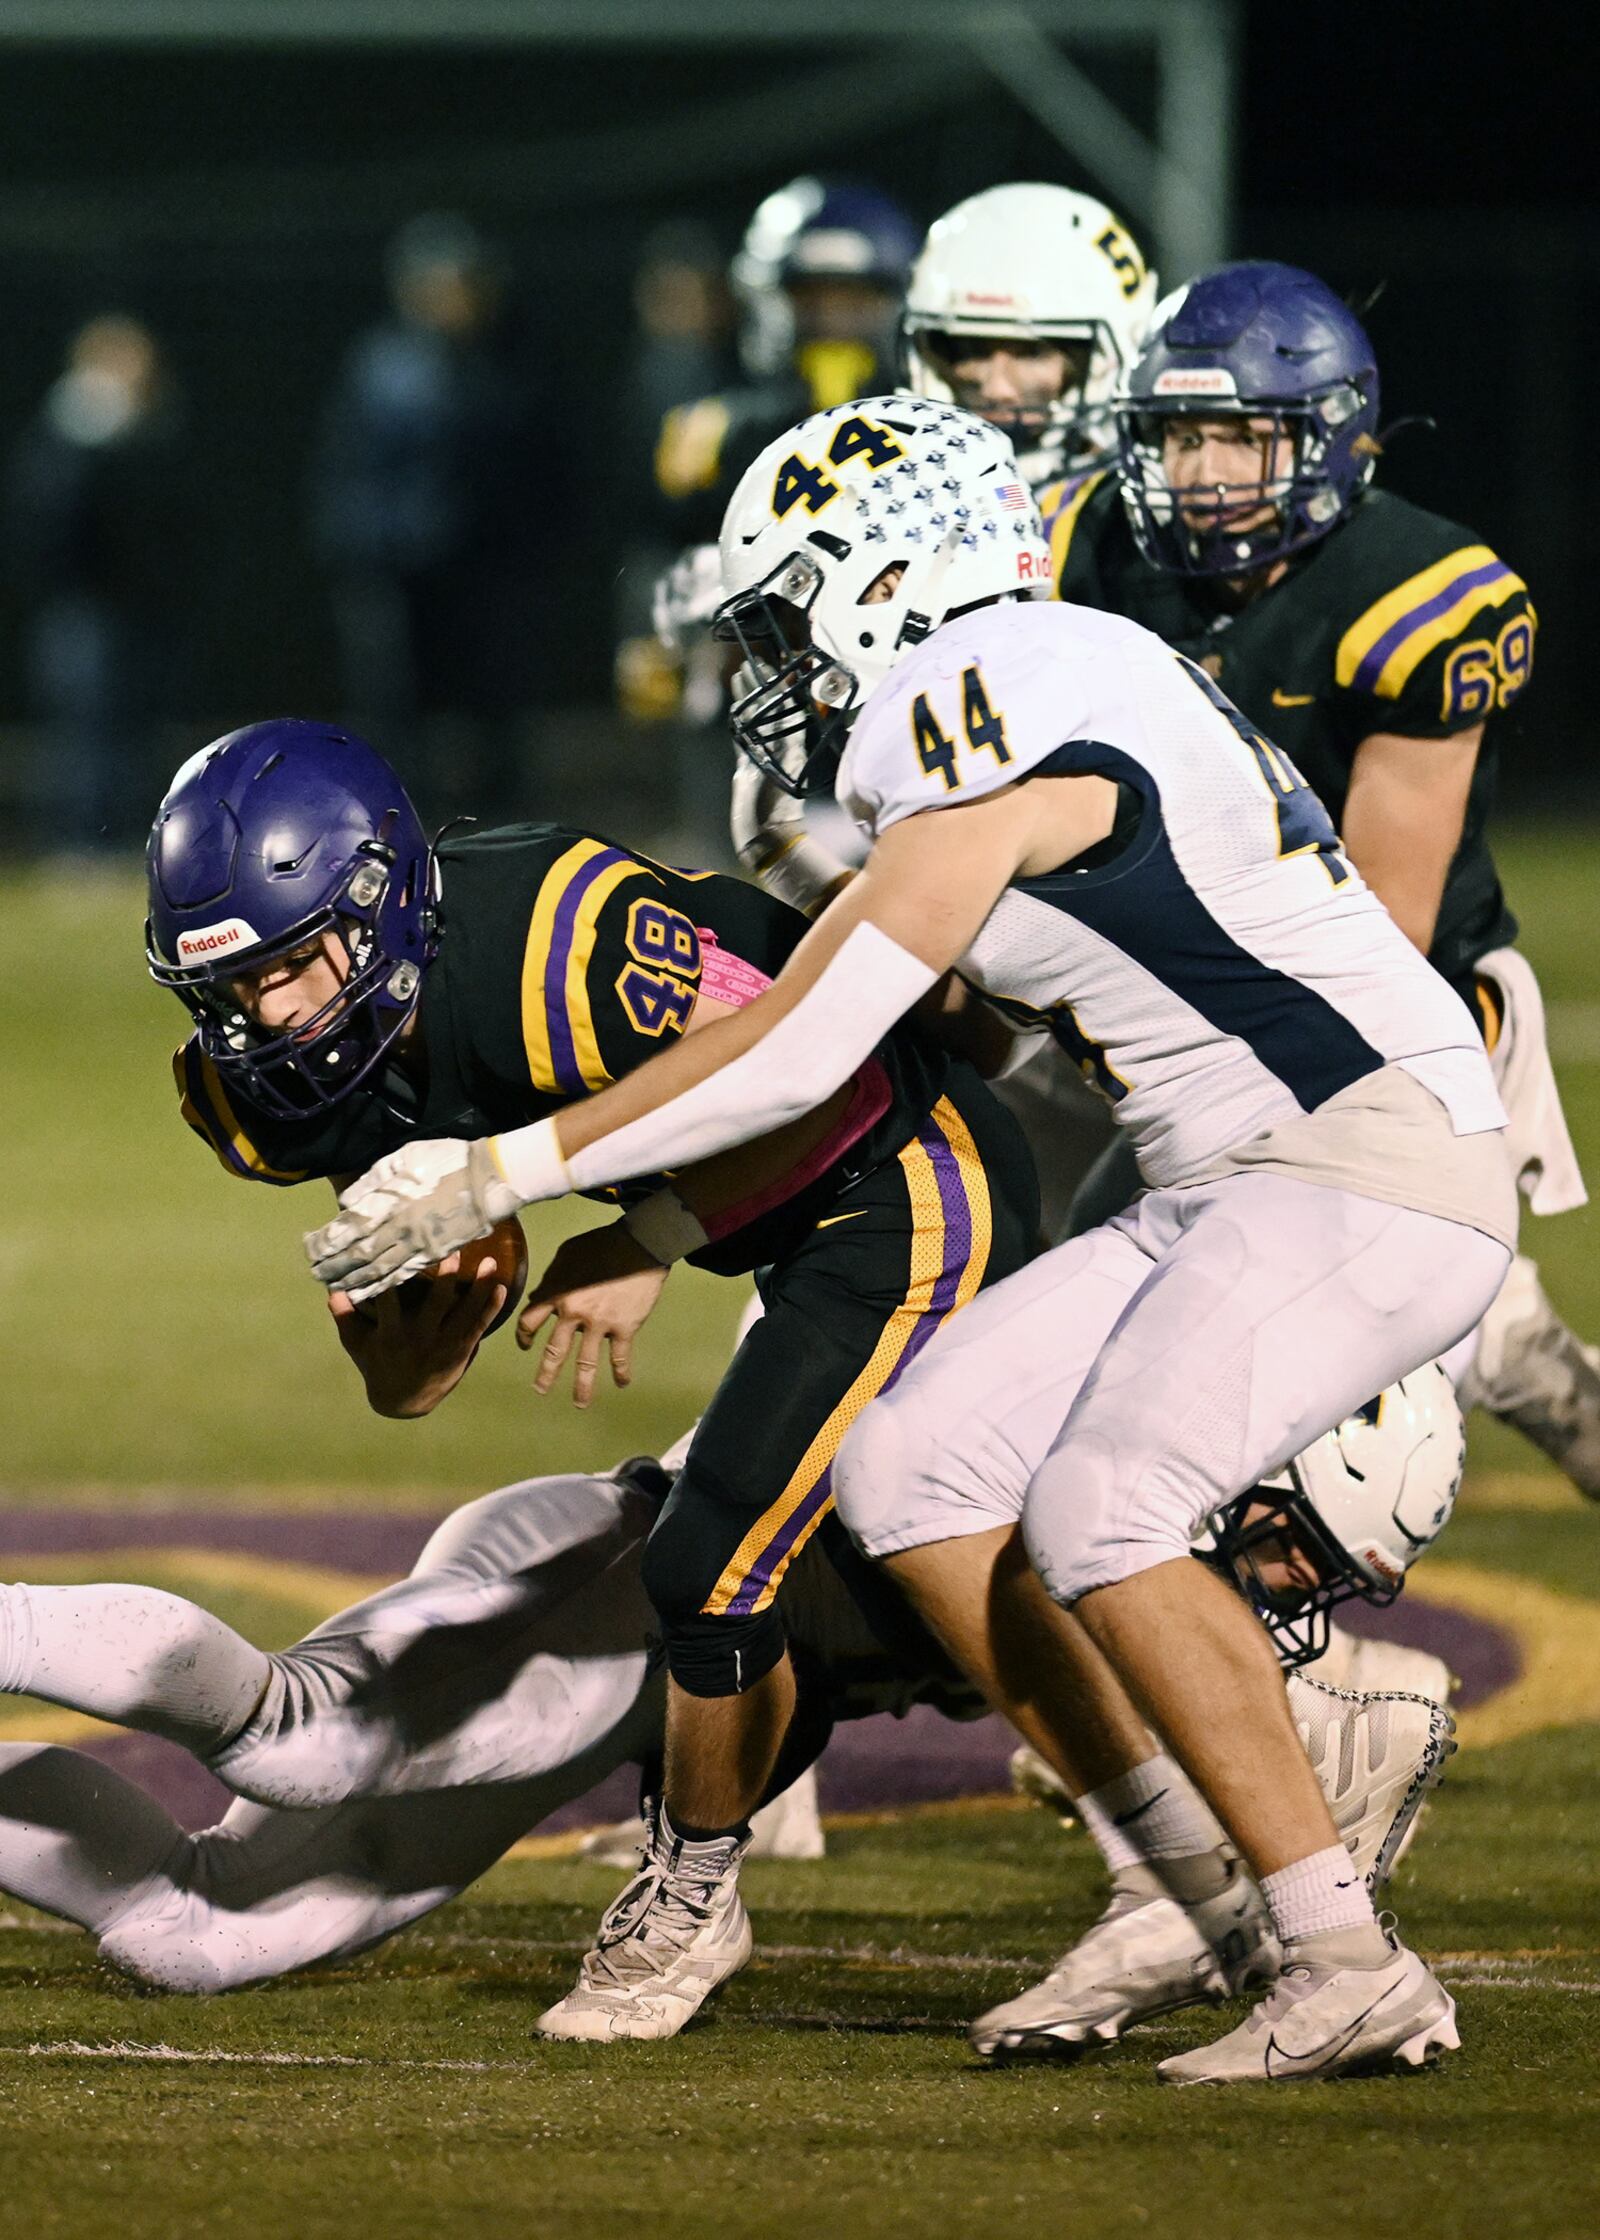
pixel 1224 969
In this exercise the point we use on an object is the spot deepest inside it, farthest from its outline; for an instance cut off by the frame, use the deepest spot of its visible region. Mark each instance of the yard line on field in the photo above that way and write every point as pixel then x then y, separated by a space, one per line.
pixel 860 1955
pixel 73 2049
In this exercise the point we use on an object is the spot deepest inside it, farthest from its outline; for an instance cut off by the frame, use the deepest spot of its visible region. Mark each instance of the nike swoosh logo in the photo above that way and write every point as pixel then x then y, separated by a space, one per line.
pixel 1292 699
pixel 1126 1819
pixel 1293 2064
pixel 834 1219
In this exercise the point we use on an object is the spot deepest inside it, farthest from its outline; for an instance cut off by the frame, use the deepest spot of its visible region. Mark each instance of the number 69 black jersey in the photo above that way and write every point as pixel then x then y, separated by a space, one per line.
pixel 1396 621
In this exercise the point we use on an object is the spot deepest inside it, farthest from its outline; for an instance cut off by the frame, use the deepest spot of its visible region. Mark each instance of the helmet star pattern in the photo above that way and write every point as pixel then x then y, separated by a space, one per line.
pixel 885 480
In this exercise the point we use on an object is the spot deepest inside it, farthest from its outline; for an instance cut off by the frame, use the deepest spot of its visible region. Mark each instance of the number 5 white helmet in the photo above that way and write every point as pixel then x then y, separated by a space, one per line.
pixel 1360 1504
pixel 1047 265
pixel 817 524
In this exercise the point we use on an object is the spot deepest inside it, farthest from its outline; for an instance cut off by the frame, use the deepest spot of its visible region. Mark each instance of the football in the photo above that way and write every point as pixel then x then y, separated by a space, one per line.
pixel 509 1249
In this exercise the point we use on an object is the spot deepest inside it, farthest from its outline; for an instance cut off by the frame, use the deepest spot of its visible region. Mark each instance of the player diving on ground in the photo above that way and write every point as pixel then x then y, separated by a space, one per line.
pixel 386 1761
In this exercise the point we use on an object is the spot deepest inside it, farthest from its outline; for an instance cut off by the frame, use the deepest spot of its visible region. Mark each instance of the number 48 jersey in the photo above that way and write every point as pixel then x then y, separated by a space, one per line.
pixel 1217 967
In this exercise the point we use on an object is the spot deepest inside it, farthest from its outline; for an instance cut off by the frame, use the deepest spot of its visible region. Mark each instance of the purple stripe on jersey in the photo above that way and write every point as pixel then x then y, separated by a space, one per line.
pixel 563 1057
pixel 776 1553
pixel 1371 668
pixel 956 1210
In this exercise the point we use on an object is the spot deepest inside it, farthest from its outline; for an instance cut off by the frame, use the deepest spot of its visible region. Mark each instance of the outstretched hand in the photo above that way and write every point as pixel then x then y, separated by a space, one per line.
pixel 414 1345
pixel 599 1290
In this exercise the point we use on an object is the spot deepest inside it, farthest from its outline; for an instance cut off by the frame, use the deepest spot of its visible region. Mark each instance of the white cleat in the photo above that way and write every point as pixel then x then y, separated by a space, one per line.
pixel 674 1936
pixel 1320 2021
pixel 1376 1758
pixel 788 1828
pixel 1146 1955
pixel 1034 1777
pixel 1366 1666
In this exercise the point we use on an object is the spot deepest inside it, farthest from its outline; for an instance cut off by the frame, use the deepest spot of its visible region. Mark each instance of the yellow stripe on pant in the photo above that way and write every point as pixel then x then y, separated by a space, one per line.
pixel 951 1229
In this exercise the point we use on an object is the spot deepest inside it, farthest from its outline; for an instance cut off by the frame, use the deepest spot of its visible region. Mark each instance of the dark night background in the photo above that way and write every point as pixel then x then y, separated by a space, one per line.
pixel 239 200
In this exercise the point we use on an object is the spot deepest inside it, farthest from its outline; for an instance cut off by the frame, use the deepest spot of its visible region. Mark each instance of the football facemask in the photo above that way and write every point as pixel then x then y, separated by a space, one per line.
pixel 269 843
pixel 1032 264
pixel 1348 1517
pixel 1274 346
pixel 846 543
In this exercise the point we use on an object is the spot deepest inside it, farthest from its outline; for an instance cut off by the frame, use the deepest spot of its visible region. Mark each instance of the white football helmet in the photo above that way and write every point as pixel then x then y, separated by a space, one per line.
pixel 1046 264
pixel 1361 1503
pixel 818 518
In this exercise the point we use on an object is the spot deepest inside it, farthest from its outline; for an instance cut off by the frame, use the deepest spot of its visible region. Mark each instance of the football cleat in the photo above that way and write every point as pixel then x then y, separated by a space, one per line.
pixel 788 1828
pixel 1034 1777
pixel 1366 1667
pixel 674 1936
pixel 1321 2021
pixel 1376 1757
pixel 1146 1955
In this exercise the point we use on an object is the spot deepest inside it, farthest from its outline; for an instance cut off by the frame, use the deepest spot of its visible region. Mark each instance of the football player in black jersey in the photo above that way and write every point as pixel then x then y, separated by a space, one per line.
pixel 353 990
pixel 1380 648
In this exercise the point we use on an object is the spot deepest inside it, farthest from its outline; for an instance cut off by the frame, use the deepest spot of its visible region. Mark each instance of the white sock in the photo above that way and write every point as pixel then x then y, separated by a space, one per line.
pixel 1154 1812
pixel 133 1655
pixel 1317 1894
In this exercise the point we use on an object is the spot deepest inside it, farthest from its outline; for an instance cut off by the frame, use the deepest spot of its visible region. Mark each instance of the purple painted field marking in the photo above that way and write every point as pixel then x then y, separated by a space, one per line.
pixel 870 1764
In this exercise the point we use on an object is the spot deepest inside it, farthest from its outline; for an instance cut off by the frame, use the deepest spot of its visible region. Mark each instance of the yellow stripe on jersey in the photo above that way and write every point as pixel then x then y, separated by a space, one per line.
pixel 1382 651
pixel 558 1031
pixel 1060 504
pixel 213 1118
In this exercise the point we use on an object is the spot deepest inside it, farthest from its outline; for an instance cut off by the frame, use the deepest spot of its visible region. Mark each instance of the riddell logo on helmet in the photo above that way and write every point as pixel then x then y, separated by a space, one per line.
pixel 1033 567
pixel 1196 381
pixel 998 303
pixel 216 941
pixel 1388 1571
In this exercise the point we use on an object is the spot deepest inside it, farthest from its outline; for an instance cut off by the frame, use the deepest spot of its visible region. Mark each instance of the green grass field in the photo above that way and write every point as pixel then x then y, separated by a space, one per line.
pixel 162 1346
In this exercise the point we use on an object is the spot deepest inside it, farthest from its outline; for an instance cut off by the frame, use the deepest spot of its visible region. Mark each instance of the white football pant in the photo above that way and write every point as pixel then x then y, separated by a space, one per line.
pixel 1113 1393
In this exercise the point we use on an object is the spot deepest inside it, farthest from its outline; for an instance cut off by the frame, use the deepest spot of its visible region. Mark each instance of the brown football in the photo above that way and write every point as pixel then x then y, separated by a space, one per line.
pixel 507 1247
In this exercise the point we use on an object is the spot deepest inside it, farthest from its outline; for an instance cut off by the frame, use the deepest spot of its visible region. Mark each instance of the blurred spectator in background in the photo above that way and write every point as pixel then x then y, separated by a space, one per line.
pixel 684 350
pixel 819 281
pixel 99 518
pixel 434 518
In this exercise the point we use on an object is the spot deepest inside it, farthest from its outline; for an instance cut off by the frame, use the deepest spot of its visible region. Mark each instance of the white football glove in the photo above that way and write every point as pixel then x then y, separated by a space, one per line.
pixel 688 595
pixel 772 842
pixel 407 1211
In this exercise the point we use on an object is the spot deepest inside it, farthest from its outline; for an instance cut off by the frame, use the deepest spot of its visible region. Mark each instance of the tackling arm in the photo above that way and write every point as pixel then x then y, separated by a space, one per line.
pixel 913 912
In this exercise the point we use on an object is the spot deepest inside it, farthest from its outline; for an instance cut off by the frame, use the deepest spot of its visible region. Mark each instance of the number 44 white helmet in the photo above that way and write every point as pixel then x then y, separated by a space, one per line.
pixel 811 541
pixel 1357 1508
pixel 1045 265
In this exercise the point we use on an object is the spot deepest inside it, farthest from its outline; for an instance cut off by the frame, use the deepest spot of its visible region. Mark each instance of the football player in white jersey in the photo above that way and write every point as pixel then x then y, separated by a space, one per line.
pixel 387 1760
pixel 1028 305
pixel 1078 819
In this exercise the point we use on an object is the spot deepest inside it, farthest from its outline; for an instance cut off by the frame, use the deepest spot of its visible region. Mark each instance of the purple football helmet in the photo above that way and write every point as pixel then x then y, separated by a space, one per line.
pixel 1267 343
pixel 817 229
pixel 268 839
